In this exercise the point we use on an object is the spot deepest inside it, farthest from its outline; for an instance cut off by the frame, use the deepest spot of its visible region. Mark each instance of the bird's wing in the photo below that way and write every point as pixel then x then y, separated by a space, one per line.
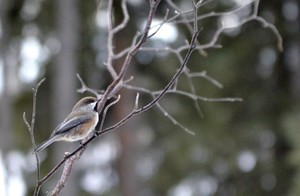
pixel 71 122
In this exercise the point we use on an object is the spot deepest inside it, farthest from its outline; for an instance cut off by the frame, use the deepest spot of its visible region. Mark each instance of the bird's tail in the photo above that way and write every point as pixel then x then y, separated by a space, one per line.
pixel 46 143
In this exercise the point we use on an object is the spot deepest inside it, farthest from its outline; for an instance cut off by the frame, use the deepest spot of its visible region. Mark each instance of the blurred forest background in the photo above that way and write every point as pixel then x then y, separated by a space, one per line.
pixel 240 148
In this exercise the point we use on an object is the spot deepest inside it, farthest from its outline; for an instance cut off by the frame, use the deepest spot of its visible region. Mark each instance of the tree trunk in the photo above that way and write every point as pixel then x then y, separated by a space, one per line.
pixel 126 135
pixel 8 12
pixel 64 75
pixel 128 146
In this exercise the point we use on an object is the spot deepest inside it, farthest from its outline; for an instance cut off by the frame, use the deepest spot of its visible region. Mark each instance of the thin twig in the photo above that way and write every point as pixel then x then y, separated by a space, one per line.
pixel 173 120
pixel 110 38
pixel 161 24
pixel 112 31
pixel 30 128
pixel 204 75
pixel 125 20
pixel 85 88
pixel 106 109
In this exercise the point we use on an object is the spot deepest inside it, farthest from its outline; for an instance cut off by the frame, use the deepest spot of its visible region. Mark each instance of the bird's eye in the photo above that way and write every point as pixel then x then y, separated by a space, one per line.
pixel 90 101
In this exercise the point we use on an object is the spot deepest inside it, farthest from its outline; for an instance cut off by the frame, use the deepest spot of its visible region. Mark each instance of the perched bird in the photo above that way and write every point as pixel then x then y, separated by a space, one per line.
pixel 78 125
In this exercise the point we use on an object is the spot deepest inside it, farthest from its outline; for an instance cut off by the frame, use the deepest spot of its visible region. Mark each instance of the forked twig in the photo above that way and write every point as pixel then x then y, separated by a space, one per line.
pixel 85 88
pixel 161 94
pixel 106 109
pixel 30 128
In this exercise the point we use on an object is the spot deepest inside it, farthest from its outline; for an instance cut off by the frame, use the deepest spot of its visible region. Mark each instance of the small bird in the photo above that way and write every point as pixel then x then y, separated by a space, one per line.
pixel 78 125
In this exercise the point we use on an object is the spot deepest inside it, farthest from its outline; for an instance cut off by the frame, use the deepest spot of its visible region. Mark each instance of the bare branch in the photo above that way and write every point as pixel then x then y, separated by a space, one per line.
pixel 212 43
pixel 275 31
pixel 173 120
pixel 192 96
pixel 106 109
pixel 196 97
pixel 126 50
pixel 31 132
pixel 131 53
pixel 161 24
pixel 186 23
pixel 85 88
pixel 65 174
pixel 125 21
pixel 204 75
pixel 136 103
pixel 55 169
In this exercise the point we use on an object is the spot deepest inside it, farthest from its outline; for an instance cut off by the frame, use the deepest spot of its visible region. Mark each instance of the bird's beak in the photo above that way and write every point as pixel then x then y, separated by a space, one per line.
pixel 96 106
